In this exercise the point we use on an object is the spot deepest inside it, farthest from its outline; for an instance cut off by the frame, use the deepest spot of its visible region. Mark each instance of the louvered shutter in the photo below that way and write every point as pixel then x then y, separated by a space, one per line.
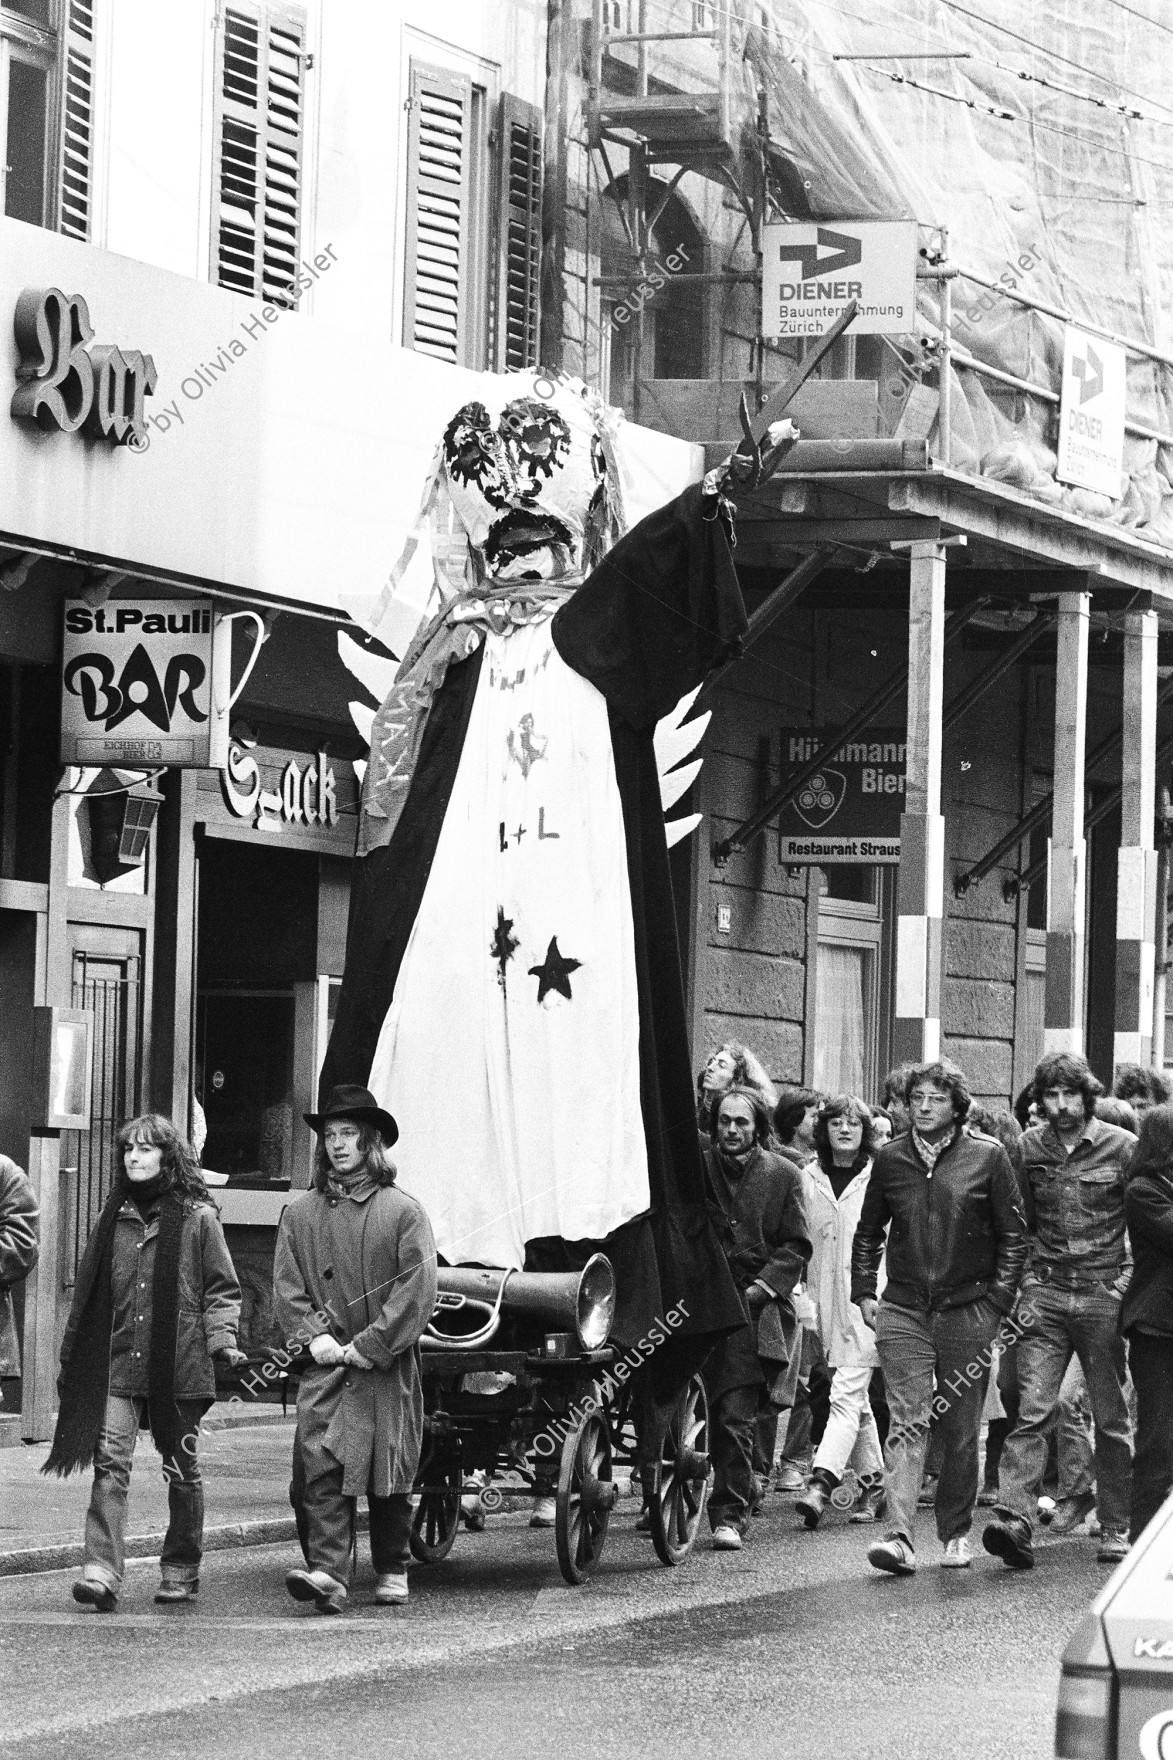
pixel 76 155
pixel 437 298
pixel 260 133
pixel 519 234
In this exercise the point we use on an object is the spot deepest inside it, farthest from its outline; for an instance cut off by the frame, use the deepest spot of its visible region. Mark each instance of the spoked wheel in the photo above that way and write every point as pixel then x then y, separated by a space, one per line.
pixel 586 1497
pixel 681 1481
pixel 437 1514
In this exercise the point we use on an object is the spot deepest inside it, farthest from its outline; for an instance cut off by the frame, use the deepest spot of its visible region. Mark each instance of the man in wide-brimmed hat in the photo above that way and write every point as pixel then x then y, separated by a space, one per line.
pixel 355 1275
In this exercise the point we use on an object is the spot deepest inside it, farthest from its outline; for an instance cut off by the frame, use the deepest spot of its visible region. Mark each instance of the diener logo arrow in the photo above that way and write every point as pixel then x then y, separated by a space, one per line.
pixel 1090 373
pixel 846 252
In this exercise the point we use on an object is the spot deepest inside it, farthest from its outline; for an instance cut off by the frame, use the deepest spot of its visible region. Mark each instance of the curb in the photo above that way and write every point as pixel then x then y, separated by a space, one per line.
pixel 26 1560
pixel 29 1560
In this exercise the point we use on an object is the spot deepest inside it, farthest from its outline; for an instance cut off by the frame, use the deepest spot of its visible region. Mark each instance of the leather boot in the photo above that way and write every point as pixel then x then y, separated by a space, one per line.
pixel 815 1498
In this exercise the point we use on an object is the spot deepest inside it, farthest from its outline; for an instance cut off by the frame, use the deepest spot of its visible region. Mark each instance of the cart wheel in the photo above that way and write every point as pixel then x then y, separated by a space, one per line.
pixel 681 1482
pixel 586 1497
pixel 437 1514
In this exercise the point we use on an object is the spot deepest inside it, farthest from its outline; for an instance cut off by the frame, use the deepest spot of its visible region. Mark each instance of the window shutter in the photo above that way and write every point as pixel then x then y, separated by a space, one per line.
pixel 436 296
pixel 260 136
pixel 519 234
pixel 76 156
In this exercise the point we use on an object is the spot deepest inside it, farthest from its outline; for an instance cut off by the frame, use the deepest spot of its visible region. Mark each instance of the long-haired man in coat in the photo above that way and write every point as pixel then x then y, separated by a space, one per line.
pixel 355 1274
pixel 752 1373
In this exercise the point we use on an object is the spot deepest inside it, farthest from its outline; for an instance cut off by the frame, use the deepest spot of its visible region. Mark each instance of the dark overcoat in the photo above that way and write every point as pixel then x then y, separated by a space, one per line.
pixel 363 1269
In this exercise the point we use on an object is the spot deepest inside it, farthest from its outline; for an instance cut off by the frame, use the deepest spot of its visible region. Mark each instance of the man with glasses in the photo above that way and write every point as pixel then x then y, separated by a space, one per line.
pixel 946 1204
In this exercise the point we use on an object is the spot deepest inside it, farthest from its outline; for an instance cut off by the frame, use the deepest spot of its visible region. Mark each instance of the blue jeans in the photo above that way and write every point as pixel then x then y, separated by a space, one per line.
pixel 936 1366
pixel 105 1555
pixel 1057 1324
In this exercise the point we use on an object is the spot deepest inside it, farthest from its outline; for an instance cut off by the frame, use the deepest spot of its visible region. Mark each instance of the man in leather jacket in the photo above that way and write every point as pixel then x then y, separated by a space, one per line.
pixel 1074 1172
pixel 947 1204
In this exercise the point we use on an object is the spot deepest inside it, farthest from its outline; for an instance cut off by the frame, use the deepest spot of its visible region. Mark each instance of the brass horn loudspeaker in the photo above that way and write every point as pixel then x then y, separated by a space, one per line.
pixel 580 1300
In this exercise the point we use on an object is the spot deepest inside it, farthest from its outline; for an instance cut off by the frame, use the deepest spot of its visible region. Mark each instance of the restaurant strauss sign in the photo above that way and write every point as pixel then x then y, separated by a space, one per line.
pixel 849 810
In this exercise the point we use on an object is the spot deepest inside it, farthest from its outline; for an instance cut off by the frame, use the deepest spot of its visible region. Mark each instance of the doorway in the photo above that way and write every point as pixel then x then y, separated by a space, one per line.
pixel 107 982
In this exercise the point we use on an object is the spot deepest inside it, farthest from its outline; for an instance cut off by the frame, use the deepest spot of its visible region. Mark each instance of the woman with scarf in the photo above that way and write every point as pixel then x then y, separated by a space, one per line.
pixel 834 1184
pixel 355 1275
pixel 156 1300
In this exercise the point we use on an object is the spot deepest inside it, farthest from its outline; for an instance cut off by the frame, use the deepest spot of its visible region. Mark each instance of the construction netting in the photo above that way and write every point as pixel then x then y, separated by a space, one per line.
pixel 1040 134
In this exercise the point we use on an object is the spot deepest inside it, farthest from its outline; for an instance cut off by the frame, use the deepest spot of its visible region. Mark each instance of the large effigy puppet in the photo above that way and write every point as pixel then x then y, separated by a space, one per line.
pixel 512 988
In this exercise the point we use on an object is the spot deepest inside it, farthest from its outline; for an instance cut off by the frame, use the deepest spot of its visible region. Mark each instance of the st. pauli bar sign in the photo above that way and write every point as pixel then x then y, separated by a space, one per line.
pixel 146 681
pixel 849 810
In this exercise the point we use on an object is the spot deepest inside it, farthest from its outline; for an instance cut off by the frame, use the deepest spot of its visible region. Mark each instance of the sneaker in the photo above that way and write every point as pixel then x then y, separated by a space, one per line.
pixel 726 1539
pixel 1113 1547
pixel 1009 1539
pixel 545 1512
pixel 893 1555
pixel 928 1492
pixel 643 1521
pixel 789 1478
pixel 178 1591
pixel 958 1554
pixel 93 1594
pixel 1046 1510
pixel 390 1588
pixel 871 1502
pixel 813 1501
pixel 987 1496
pixel 316 1586
pixel 1070 1511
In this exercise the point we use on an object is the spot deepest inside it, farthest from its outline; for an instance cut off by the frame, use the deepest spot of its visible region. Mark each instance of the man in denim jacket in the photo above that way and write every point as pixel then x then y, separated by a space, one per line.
pixel 1073 1175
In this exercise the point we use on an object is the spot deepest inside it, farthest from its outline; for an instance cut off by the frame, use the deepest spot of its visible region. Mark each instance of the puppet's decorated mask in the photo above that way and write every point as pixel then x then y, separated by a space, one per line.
pixel 526 473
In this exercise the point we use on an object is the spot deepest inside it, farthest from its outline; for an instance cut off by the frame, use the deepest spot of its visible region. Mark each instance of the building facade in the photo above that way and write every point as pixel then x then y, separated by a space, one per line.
pixel 231 297
pixel 240 303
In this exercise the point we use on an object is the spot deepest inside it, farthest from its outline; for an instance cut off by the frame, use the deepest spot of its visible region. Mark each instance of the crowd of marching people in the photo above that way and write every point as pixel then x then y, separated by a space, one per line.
pixel 920 1276
pixel 935 1272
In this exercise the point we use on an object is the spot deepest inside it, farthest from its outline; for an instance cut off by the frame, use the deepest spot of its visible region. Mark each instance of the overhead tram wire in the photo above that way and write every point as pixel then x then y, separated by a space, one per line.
pixel 1000 115
pixel 976 55
pixel 904 18
pixel 1157 24
pixel 1004 30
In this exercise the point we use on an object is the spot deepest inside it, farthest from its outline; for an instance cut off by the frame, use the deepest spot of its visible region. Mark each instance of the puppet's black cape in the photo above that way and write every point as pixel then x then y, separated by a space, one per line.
pixel 658 613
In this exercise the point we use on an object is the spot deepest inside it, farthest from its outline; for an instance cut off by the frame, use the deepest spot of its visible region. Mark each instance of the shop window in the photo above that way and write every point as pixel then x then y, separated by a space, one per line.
pixel 260 144
pixel 46 113
pixel 446 306
pixel 257 934
pixel 244 1055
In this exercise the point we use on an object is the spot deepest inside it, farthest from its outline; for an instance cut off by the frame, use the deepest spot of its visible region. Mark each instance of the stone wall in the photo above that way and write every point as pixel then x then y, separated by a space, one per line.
pixel 751 982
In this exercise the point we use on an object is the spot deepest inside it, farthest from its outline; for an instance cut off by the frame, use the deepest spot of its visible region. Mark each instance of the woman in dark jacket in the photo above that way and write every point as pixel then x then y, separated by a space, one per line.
pixel 1146 1315
pixel 156 1300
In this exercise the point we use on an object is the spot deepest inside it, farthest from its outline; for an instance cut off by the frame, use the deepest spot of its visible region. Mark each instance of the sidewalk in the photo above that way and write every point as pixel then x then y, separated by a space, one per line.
pixel 246 1483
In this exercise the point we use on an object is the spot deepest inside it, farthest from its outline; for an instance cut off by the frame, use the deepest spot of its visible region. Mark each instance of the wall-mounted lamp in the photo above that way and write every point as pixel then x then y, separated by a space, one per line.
pixel 120 823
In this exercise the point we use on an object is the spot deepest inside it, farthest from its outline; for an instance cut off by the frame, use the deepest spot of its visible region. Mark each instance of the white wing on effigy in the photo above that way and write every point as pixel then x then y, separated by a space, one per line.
pixel 672 742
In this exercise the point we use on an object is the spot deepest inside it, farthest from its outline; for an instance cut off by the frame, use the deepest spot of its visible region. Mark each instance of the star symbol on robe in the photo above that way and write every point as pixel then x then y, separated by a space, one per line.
pixel 554 972
pixel 503 945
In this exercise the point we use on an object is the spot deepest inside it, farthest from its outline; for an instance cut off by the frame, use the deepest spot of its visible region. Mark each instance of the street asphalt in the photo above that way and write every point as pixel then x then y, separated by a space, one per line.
pixel 793 1647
